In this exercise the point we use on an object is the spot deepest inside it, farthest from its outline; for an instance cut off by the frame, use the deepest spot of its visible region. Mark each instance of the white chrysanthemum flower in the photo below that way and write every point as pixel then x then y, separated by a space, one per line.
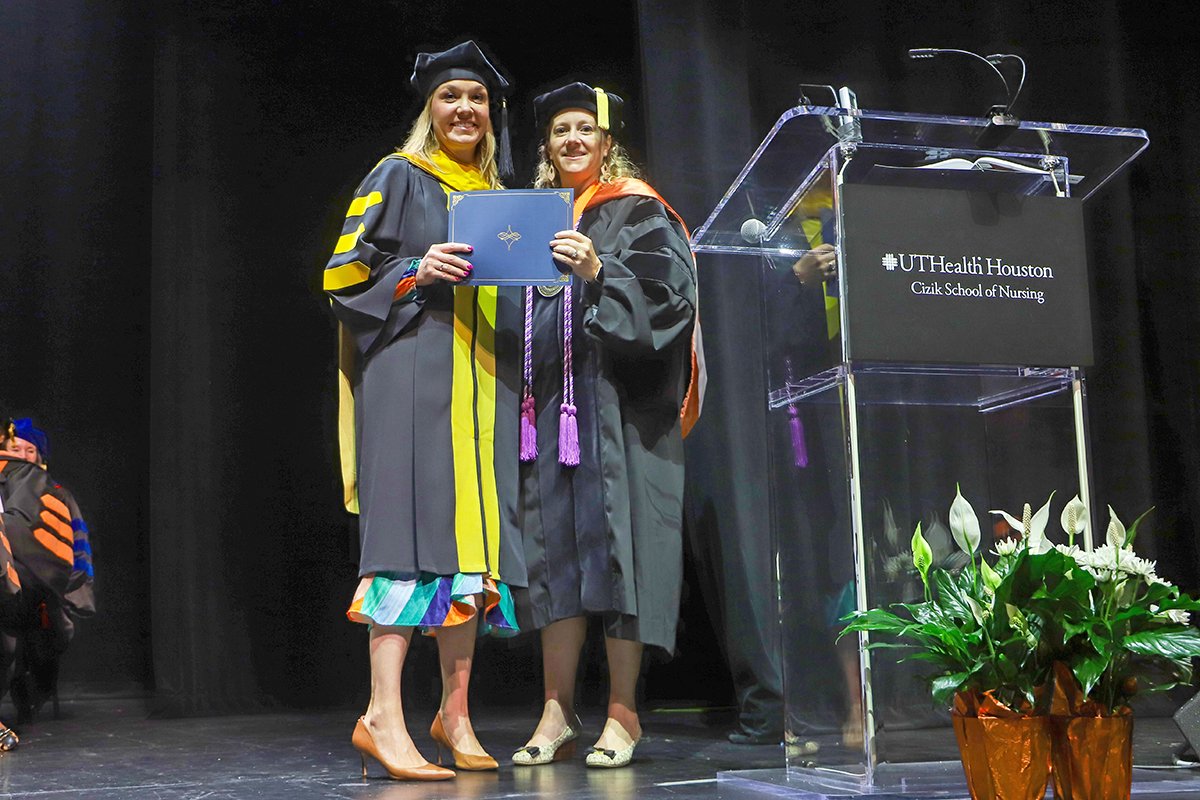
pixel 1071 551
pixel 1006 547
pixel 1101 563
pixel 1138 566
pixel 1176 615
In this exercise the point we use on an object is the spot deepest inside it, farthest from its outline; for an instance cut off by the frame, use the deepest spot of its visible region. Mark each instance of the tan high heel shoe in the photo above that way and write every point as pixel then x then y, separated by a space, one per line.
pixel 364 743
pixel 461 760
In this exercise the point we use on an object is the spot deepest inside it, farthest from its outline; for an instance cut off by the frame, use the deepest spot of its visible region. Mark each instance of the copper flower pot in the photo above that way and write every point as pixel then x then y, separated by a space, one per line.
pixel 1005 757
pixel 1093 757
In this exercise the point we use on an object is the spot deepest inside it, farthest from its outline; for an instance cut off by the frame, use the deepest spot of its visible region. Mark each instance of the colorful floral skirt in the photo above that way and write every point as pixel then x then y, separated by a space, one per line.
pixel 430 602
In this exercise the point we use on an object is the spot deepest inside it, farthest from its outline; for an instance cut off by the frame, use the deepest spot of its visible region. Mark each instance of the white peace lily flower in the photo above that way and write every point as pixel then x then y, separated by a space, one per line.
pixel 1116 534
pixel 1036 535
pixel 964 524
pixel 1074 517
pixel 1012 521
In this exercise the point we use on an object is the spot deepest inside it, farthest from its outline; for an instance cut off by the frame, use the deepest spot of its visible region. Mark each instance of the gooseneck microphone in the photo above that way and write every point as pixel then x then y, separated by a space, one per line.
pixel 1001 111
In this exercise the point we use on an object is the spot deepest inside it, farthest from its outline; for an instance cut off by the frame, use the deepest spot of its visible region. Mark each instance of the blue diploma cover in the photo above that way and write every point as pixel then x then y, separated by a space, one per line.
pixel 511 230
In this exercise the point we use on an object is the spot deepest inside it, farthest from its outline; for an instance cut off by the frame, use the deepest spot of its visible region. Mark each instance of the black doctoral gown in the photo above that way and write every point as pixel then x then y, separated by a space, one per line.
pixel 434 383
pixel 605 536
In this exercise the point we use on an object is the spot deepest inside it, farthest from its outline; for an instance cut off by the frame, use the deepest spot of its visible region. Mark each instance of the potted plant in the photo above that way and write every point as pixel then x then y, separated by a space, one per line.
pixel 989 664
pixel 1116 629
pixel 1040 653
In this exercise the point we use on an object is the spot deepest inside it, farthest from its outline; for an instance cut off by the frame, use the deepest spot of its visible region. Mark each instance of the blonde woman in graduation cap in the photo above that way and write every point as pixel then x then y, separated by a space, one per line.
pixel 610 387
pixel 429 427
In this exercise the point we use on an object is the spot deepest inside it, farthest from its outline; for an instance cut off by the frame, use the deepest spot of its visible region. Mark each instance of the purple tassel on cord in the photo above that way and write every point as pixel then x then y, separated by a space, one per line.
pixel 568 426
pixel 529 448
pixel 528 430
pixel 799 449
pixel 568 437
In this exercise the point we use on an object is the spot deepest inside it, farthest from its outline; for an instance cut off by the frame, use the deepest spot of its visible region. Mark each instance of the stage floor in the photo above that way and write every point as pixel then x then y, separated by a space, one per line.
pixel 108 751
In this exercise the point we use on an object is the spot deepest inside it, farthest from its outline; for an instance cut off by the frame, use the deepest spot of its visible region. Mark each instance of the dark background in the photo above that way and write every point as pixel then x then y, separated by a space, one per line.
pixel 174 177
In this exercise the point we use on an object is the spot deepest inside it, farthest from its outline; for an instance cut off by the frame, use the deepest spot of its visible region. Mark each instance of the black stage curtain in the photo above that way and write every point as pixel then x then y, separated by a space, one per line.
pixel 174 178
pixel 75 139
pixel 718 76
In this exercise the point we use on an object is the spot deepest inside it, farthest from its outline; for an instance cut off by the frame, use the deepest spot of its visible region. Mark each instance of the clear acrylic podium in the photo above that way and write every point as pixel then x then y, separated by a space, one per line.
pixel 863 449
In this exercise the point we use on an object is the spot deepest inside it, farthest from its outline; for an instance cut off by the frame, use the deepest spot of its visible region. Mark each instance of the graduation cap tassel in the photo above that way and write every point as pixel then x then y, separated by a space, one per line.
pixel 505 157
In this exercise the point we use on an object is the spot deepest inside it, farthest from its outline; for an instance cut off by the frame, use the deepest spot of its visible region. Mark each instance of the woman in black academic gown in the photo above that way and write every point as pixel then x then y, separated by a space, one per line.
pixel 429 370
pixel 608 364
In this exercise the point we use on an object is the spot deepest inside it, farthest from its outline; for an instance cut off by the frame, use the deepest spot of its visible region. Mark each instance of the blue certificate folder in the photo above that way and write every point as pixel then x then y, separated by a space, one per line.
pixel 511 230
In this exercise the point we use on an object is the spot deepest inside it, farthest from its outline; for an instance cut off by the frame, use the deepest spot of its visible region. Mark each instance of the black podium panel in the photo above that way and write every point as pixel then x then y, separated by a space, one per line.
pixel 966 277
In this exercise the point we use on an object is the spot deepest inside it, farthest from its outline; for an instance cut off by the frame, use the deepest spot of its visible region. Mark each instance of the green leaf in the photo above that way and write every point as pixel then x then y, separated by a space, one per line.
pixel 964 525
pixel 876 619
pixel 1131 534
pixel 944 687
pixel 1088 671
pixel 1175 642
pixel 950 598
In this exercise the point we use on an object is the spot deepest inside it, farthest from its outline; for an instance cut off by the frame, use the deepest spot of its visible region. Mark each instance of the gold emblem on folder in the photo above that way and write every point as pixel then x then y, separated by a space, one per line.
pixel 509 237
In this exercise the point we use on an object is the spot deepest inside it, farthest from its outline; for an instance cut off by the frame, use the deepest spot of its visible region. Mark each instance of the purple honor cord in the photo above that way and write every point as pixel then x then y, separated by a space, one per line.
pixel 568 426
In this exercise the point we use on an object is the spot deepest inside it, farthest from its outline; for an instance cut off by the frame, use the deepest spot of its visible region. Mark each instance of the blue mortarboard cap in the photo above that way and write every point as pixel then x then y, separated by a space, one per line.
pixel 26 431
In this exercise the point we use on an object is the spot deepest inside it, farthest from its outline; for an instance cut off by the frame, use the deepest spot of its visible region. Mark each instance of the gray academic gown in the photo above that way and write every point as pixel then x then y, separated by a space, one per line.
pixel 604 537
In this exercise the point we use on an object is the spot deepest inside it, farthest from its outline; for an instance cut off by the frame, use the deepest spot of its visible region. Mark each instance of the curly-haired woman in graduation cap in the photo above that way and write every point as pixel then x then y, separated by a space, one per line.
pixel 609 374
pixel 429 368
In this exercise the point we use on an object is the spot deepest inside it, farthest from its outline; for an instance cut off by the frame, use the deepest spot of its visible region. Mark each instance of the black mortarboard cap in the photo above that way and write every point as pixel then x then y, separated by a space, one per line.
pixel 462 62
pixel 606 106
pixel 467 62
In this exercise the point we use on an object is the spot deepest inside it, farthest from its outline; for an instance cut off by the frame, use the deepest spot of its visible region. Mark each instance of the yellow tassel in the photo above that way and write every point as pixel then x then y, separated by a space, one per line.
pixel 602 109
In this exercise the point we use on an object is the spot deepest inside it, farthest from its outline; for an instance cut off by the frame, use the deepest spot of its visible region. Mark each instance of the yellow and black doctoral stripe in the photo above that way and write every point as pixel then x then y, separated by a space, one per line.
pixel 473 430
pixel 343 276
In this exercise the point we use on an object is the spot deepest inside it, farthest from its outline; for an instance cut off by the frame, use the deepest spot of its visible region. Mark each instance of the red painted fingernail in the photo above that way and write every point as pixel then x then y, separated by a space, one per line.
pixel 470 249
